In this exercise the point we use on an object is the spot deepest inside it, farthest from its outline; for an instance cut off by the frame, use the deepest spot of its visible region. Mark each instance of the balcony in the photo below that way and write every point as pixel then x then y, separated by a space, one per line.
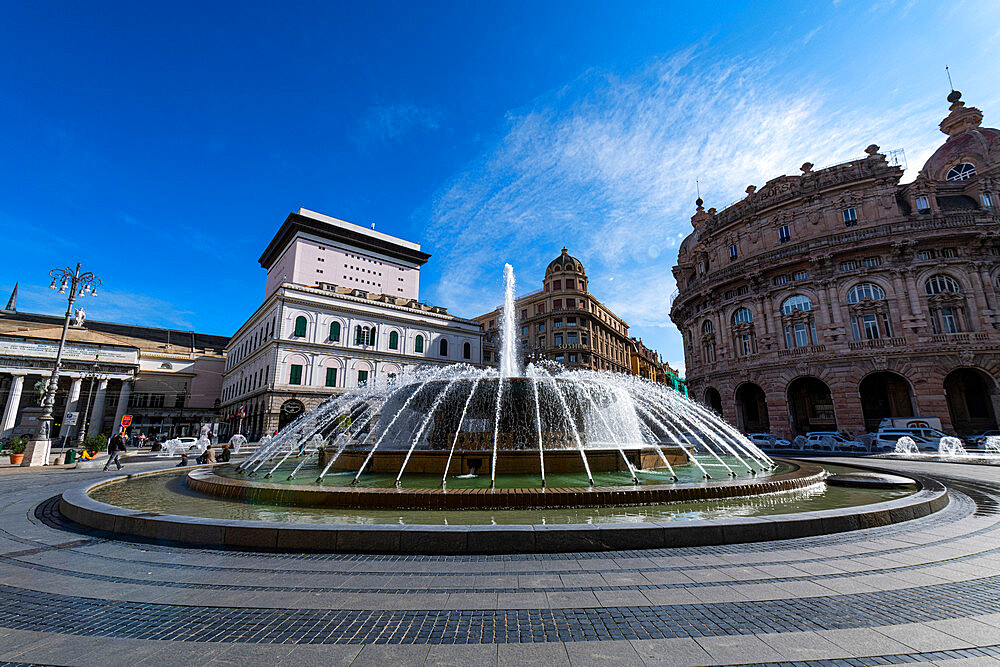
pixel 802 351
pixel 876 344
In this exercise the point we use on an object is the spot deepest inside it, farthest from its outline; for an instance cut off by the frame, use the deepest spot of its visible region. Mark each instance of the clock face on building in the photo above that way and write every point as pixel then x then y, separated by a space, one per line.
pixel 961 172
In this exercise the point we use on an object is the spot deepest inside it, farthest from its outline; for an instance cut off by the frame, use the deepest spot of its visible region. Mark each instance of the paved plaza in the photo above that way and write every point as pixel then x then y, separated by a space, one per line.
pixel 927 590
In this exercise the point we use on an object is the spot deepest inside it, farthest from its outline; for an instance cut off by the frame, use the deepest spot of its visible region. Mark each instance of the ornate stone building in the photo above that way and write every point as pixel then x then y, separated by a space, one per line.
pixel 838 297
pixel 564 322
pixel 646 363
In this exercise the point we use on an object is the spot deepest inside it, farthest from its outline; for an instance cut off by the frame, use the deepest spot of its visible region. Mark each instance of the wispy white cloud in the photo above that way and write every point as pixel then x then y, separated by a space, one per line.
pixel 107 306
pixel 607 166
pixel 388 122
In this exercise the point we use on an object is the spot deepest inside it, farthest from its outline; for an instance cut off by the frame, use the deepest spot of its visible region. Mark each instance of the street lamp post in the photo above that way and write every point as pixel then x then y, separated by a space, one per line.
pixel 79 284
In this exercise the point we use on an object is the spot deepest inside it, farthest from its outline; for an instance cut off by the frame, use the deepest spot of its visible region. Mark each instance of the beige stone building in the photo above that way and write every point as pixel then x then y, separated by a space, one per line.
pixel 835 298
pixel 564 322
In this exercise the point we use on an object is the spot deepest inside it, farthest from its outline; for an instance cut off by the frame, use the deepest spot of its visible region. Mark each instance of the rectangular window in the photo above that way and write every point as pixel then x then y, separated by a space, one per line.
pixel 156 400
pixel 780 280
pixel 925 254
pixel 849 266
pixel 557 304
pixel 492 324
pixel 850 217
pixel 571 338
pixel 923 204
pixel 331 377
pixel 524 315
pixel 541 341
pixel 557 322
pixel 558 339
pixel 559 358
pixel 540 309
pixel 362 378
pixel 870 325
pixel 572 358
pixel 295 374
pixel 541 327
pixel 872 261
pixel 949 320
pixel 570 303
pixel 733 252
pixel 556 284
pixel 571 321
pixel 801 336
pixel 949 252
pixel 783 234
pixel 800 275
pixel 987 200
pixel 570 283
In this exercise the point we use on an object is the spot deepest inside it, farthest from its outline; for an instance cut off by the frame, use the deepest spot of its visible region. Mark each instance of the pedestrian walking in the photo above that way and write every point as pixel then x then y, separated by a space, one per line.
pixel 115 447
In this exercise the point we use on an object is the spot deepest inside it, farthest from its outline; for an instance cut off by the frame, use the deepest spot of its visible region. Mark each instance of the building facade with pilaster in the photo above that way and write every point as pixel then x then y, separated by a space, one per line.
pixel 168 380
pixel 838 297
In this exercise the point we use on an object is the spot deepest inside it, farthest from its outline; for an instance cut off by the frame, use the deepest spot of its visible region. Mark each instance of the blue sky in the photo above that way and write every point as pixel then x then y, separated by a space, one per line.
pixel 162 144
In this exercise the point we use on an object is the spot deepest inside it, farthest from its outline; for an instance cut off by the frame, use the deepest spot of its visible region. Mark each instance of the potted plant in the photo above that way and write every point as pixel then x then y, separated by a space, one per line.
pixel 16 449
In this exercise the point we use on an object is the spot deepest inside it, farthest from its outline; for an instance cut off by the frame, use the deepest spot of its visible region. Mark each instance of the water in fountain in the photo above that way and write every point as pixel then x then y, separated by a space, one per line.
pixel 174 447
pixel 992 444
pixel 950 446
pixel 236 442
pixel 459 420
pixel 906 446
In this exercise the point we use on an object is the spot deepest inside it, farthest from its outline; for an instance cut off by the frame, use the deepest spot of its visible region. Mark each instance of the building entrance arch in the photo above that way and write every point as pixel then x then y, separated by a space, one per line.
pixel 972 400
pixel 810 405
pixel 713 399
pixel 885 394
pixel 751 409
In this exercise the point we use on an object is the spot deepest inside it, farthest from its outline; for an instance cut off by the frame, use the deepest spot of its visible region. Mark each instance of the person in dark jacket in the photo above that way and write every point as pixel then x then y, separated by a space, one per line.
pixel 115 447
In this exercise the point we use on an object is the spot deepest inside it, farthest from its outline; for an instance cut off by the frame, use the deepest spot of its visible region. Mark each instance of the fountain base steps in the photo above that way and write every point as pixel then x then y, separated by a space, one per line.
pixel 523 462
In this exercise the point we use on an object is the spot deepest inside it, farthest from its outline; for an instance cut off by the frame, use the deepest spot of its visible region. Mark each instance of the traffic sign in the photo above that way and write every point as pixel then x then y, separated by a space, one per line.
pixel 126 421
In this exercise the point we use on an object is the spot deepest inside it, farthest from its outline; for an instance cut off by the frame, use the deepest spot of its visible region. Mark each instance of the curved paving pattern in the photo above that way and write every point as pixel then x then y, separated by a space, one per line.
pixel 926 590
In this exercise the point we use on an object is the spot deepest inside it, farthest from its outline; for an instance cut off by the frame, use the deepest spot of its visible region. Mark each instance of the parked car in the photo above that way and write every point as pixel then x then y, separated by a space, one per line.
pixel 910 422
pixel 818 440
pixel 188 442
pixel 925 438
pixel 767 440
pixel 980 440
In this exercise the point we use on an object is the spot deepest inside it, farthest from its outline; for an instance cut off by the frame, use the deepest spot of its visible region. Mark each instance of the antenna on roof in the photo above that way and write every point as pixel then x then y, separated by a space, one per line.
pixel 697 186
pixel 948 72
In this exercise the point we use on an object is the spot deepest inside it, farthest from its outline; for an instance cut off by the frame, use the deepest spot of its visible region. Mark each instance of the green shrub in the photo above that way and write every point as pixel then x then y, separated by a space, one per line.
pixel 17 445
pixel 96 443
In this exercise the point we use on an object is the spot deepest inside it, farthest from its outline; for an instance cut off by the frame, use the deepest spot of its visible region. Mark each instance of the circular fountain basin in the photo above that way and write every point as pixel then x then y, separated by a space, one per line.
pixel 134 503
pixel 871 480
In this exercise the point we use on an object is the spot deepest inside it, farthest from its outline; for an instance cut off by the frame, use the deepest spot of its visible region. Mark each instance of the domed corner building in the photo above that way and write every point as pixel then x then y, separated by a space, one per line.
pixel 838 297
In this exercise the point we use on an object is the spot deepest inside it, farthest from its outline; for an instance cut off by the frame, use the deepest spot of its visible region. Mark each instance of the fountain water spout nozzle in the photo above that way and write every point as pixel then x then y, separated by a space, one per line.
pixel 267 476
pixel 319 480
pixel 399 484
pixel 291 477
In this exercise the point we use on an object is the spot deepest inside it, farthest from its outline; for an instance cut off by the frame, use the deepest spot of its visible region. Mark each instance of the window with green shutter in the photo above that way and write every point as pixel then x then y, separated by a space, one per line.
pixel 418 345
pixel 300 326
pixel 295 374
pixel 331 377
pixel 335 332
pixel 362 378
pixel 393 340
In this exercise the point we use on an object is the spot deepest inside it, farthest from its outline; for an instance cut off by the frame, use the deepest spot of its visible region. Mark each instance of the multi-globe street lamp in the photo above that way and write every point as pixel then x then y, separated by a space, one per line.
pixel 78 285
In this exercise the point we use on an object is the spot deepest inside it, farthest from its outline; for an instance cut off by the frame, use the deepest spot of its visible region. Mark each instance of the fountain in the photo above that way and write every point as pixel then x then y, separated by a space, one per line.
pixel 992 445
pixel 906 446
pixel 953 447
pixel 529 424
pixel 236 442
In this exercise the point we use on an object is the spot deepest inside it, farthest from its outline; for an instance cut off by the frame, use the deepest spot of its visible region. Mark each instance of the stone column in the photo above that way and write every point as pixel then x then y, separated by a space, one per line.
pixel 72 405
pixel 122 404
pixel 13 401
pixel 97 414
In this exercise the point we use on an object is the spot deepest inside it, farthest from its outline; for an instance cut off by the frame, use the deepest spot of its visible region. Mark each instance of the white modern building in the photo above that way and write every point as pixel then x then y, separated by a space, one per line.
pixel 340 310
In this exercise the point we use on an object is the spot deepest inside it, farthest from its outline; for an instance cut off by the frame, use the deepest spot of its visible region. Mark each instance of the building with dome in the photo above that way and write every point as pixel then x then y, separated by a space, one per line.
pixel 564 322
pixel 837 297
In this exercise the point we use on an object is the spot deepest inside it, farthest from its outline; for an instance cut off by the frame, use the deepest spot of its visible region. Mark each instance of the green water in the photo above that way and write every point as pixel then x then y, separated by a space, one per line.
pixel 685 473
pixel 169 495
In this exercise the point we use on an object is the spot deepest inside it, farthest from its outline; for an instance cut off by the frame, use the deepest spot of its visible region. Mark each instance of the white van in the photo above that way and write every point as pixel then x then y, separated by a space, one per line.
pixel 910 422
pixel 925 438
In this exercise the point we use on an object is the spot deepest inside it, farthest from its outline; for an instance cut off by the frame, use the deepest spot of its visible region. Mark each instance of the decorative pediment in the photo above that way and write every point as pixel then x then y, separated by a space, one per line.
pixel 946 299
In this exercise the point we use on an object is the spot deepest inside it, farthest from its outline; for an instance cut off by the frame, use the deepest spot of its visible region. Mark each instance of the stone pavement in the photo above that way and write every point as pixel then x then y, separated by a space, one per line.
pixel 922 591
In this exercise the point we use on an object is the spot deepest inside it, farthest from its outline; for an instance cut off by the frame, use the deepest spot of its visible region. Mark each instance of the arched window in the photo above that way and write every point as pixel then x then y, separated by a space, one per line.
pixel 947 304
pixel 865 291
pixel 443 347
pixel 418 345
pixel 941 283
pixel 869 315
pixel 707 327
pixel 466 351
pixel 746 342
pixel 300 326
pixel 335 332
pixel 797 302
pixel 961 172
pixel 393 340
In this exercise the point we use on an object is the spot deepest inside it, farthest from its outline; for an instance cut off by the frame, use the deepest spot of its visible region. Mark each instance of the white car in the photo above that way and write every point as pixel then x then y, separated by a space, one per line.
pixel 822 440
pixel 188 442
pixel 767 440
pixel 925 438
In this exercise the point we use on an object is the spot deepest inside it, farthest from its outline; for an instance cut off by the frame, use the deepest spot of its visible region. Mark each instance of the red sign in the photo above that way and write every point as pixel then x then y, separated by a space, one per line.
pixel 126 421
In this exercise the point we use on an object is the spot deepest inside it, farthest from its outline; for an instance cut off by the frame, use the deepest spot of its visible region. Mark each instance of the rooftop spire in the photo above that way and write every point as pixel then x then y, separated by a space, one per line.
pixel 12 302
pixel 962 118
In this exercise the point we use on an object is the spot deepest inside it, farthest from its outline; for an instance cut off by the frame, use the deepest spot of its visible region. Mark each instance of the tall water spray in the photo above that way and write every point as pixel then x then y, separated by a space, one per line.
pixel 509 366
